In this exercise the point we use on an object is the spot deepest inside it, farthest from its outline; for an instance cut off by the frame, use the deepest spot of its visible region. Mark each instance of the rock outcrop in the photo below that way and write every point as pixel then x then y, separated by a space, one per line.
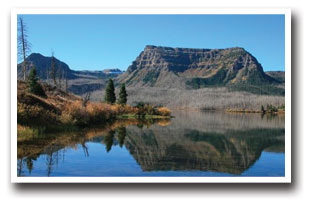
pixel 194 68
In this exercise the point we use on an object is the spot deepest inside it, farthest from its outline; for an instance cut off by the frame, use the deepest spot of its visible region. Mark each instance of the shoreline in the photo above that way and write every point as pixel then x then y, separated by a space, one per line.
pixel 23 129
pixel 279 112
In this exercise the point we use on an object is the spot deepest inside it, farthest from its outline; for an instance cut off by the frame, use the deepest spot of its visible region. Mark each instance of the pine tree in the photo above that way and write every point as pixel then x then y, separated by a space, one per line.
pixel 33 85
pixel 122 97
pixel 109 96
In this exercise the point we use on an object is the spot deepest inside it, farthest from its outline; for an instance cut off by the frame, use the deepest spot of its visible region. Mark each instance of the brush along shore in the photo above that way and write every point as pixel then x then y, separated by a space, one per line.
pixel 270 109
pixel 61 110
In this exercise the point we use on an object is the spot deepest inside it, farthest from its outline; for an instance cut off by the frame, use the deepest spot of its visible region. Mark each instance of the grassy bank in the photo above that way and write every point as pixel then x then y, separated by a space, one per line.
pixel 64 111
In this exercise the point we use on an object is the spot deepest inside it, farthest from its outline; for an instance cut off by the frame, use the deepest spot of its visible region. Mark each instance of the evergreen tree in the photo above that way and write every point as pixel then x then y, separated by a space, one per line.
pixel 122 97
pixel 263 109
pixel 33 85
pixel 109 96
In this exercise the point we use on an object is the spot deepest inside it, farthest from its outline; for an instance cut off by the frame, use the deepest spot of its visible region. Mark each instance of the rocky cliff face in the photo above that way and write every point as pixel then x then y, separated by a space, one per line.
pixel 194 68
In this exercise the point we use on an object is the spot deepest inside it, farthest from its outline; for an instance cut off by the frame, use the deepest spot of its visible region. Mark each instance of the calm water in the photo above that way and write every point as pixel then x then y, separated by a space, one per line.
pixel 192 144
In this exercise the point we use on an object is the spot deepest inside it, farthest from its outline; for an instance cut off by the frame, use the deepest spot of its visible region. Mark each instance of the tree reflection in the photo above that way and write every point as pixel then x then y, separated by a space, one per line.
pixel 121 134
pixel 108 140
pixel 162 147
pixel 19 167
pixel 29 162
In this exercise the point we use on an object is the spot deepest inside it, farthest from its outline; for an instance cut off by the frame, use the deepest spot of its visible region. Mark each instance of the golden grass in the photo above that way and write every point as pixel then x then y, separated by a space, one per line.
pixel 63 109
pixel 28 113
pixel 25 132
pixel 164 122
pixel 243 111
pixel 96 112
pixel 163 111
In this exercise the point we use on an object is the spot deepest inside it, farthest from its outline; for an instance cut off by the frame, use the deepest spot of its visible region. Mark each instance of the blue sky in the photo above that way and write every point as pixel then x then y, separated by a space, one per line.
pixel 96 42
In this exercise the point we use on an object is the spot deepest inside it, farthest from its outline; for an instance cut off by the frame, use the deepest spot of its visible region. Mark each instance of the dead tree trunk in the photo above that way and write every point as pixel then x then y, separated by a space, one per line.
pixel 23 46
pixel 53 70
pixel 86 99
pixel 66 81
pixel 47 75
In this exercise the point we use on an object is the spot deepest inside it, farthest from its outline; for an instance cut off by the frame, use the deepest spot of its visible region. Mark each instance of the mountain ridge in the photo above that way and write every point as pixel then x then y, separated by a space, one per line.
pixel 167 67
pixel 192 68
pixel 79 82
pixel 43 64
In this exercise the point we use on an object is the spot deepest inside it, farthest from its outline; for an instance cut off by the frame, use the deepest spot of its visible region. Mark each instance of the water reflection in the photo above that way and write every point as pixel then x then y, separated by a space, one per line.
pixel 193 141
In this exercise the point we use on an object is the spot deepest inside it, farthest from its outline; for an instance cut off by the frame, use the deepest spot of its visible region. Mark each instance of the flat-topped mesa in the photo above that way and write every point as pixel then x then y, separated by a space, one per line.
pixel 194 68
pixel 152 47
pixel 188 50
pixel 155 55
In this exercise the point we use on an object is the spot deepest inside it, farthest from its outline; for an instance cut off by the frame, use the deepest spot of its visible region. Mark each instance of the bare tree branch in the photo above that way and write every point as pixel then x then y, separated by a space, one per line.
pixel 86 99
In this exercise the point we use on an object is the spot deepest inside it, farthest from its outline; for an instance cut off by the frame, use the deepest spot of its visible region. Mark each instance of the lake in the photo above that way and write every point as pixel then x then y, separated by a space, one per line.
pixel 191 144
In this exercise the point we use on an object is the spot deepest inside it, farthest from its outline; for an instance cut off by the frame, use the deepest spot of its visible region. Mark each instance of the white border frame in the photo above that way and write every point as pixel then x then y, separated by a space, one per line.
pixel 286 179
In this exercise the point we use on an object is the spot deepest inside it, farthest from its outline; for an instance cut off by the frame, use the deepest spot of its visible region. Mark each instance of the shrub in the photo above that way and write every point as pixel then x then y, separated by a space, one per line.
pixel 79 115
pixel 75 113
pixel 34 114
pixel 100 112
pixel 25 132
pixel 271 108
pixel 147 109
pixel 282 107
pixel 163 111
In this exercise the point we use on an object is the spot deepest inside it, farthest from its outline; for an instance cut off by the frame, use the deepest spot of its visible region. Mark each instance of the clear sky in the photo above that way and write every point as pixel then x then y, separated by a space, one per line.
pixel 97 42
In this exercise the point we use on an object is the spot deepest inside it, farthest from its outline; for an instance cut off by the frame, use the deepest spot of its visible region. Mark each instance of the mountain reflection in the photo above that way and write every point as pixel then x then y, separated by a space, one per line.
pixel 232 152
pixel 190 142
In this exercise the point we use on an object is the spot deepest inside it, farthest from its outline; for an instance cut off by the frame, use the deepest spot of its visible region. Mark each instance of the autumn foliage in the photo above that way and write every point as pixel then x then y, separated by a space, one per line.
pixel 59 108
